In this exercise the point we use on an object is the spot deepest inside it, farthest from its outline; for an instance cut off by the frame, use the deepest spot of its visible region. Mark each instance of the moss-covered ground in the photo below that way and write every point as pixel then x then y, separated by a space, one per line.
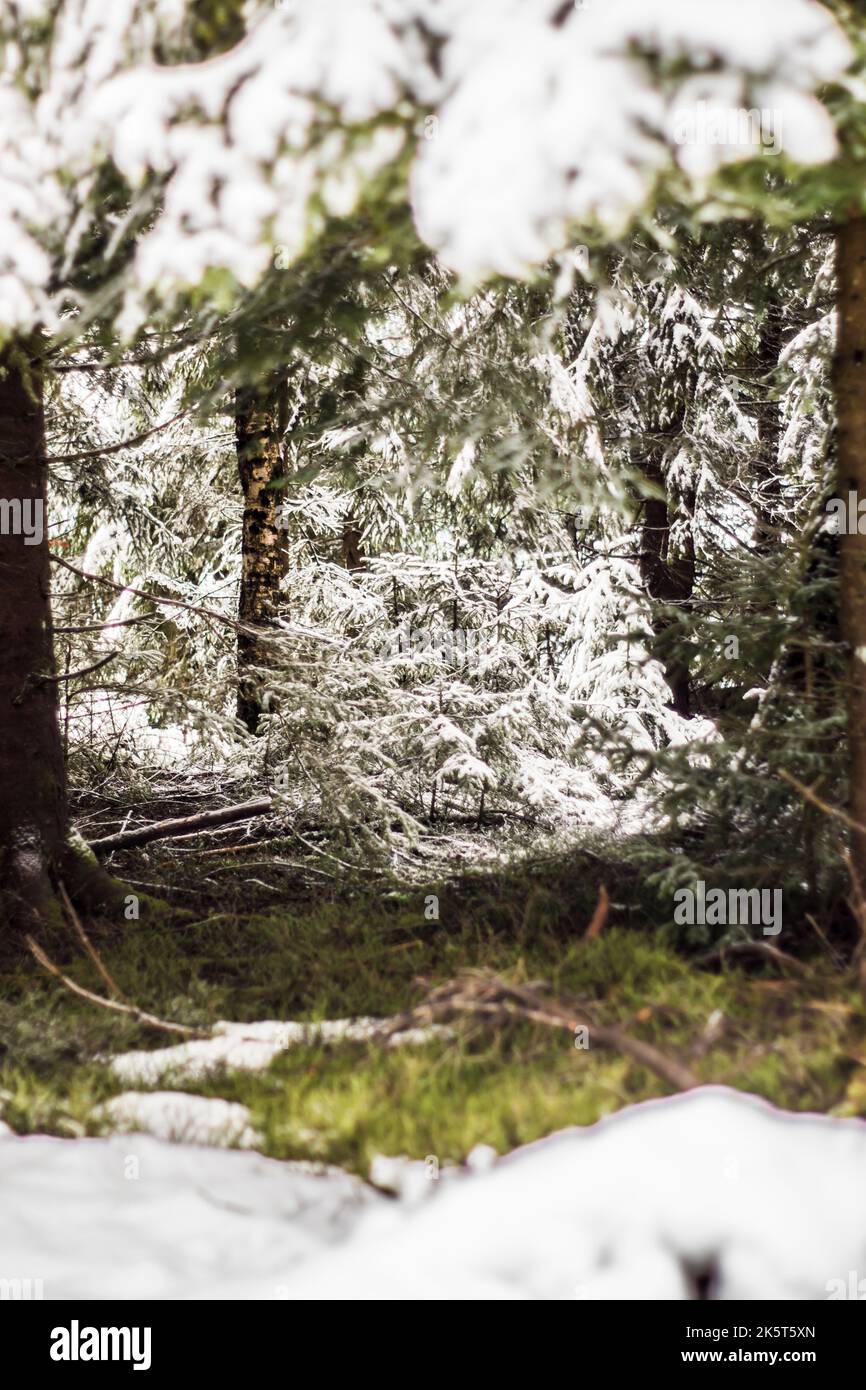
pixel 794 1036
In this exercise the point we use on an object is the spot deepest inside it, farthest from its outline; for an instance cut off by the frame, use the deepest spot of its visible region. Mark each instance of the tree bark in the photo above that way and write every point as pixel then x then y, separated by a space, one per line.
pixel 37 847
pixel 769 422
pixel 849 373
pixel 259 424
pixel 667 547
pixel 33 815
pixel 179 826
pixel 351 551
pixel 669 579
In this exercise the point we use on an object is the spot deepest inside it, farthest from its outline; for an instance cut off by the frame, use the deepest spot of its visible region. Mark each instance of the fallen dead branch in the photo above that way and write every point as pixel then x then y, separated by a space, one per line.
pixel 482 995
pixel 91 950
pixel 183 825
pixel 114 1005
pixel 762 950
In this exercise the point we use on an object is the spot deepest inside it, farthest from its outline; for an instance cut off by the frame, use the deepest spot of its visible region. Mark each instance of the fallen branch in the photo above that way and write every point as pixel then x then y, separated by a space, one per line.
pixel 113 1004
pixel 91 950
pixel 763 949
pixel 183 825
pixel 487 996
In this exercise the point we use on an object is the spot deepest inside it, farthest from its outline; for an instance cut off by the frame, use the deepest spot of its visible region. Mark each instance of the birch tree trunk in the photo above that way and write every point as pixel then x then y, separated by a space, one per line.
pixel 259 423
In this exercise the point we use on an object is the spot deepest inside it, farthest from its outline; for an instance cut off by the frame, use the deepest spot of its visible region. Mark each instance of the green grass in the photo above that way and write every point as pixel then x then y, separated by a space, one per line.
pixel 794 1041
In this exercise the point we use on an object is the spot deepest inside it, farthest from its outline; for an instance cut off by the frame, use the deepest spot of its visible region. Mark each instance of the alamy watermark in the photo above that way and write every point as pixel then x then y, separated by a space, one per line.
pixel 21 1290
pixel 456 646
pixel 77 1343
pixel 23 517
pixel 847 517
pixel 853 1288
pixel 719 907
pixel 734 127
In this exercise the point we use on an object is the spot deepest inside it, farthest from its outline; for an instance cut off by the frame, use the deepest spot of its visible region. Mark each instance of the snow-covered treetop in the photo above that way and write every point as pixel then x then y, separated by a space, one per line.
pixel 546 115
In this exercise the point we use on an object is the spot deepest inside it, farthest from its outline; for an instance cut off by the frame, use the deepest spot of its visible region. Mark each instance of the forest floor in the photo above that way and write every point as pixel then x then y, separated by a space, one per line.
pixel 793 1034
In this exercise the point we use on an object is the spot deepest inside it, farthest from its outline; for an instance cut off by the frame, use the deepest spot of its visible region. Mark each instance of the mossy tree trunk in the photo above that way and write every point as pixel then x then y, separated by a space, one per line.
pixel 259 425
pixel 850 392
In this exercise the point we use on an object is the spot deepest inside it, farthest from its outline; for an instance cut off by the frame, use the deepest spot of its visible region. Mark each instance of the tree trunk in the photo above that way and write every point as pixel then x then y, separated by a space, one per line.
pixel 33 817
pixel 667 546
pixel 351 552
pixel 669 579
pixel 37 848
pixel 850 391
pixel 259 424
pixel 769 421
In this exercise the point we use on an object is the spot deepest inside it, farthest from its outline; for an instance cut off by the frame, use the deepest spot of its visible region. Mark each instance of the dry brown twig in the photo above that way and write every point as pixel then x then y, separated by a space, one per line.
pixel 114 1005
pixel 91 950
pixel 599 917
pixel 763 949
pixel 480 994
pixel 818 801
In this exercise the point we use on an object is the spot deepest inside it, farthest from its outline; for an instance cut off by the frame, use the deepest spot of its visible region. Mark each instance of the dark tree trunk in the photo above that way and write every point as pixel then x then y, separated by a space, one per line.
pixel 667 548
pixel 669 579
pixel 33 817
pixel 769 422
pixel 259 425
pixel 37 848
pixel 850 391
pixel 351 552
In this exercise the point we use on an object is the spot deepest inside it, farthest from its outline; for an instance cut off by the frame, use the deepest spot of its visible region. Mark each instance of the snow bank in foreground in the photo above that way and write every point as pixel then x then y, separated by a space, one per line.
pixel 135 1217
pixel 709 1185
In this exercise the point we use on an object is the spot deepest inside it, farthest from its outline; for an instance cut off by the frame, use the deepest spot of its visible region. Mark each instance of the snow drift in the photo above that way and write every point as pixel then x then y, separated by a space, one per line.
pixel 710 1193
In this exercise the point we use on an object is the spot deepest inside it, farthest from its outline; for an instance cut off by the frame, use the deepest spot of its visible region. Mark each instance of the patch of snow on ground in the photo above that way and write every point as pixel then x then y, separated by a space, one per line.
pixel 184 1118
pixel 711 1184
pixel 253 1046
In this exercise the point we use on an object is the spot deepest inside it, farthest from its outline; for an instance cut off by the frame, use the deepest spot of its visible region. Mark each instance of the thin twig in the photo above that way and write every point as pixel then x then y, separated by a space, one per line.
pixel 113 1004
pixel 487 996
pixel 101 968
pixel 764 949
pixel 82 670
pixel 599 917
pixel 152 598
pixel 822 805
pixel 117 448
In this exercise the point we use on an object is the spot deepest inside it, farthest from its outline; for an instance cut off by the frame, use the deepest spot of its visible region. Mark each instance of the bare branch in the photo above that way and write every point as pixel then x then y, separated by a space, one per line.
pixel 113 1005
pixel 183 825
